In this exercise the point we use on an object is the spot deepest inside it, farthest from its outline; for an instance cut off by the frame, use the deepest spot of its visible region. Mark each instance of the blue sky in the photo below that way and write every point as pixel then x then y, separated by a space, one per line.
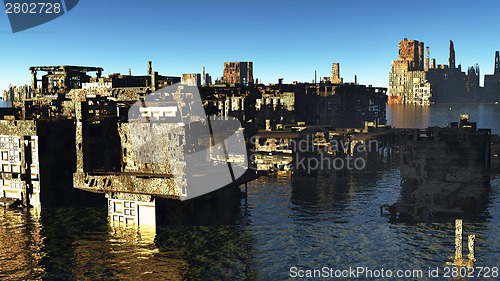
pixel 288 39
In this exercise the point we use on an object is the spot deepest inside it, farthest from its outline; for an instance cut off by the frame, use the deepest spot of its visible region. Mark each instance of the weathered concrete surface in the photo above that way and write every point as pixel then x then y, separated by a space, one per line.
pixel 161 185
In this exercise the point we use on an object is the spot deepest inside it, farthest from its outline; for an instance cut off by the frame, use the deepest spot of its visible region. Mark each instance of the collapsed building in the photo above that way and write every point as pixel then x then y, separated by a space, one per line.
pixel 238 73
pixel 71 138
pixel 415 78
pixel 70 141
pixel 273 106
pixel 445 172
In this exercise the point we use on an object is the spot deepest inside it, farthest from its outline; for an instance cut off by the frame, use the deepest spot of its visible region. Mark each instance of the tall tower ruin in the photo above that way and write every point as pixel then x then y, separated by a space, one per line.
pixel 336 73
pixel 427 58
pixel 497 62
pixel 412 51
pixel 451 59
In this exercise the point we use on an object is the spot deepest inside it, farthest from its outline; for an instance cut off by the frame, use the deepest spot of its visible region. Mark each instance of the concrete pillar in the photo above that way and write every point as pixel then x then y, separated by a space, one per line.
pixel 150 67
pixel 458 240
pixel 79 136
pixel 154 81
pixel 33 80
pixel 204 81
pixel 470 256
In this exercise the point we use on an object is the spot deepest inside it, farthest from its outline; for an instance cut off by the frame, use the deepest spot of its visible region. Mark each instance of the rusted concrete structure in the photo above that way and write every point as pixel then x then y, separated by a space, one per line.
pixel 335 79
pixel 74 144
pixel 412 53
pixel 276 105
pixel 445 172
pixel 238 73
pixel 192 79
pixel 406 72
pixel 342 106
pixel 60 79
pixel 88 127
pixel 416 83
pixel 273 150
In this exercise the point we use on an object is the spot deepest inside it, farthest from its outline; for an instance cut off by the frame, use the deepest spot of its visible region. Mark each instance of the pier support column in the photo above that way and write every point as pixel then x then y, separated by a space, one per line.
pixel 470 256
pixel 458 240
pixel 132 209
pixel 33 80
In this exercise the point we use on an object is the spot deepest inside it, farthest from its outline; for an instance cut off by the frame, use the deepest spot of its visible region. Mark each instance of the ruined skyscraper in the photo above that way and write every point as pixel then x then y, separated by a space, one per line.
pixel 497 62
pixel 191 79
pixel 407 80
pixel 238 73
pixel 412 51
pixel 450 84
pixel 427 58
pixel 411 81
pixel 472 80
pixel 451 59
pixel 336 73
pixel 492 82
pixel 150 67
pixel 433 63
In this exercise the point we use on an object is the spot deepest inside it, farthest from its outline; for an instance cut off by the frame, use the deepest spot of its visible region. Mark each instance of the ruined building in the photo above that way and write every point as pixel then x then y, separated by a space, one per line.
pixel 276 105
pixel 492 82
pixel 60 79
pixel 407 73
pixel 335 79
pixel 412 53
pixel 445 172
pixel 418 80
pixel 72 138
pixel 238 73
pixel 451 58
pixel 342 106
pixel 191 79
pixel 73 143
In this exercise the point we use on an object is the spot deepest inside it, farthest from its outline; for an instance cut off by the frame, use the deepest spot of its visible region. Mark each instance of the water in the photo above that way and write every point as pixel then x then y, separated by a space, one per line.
pixel 307 223
pixel 410 116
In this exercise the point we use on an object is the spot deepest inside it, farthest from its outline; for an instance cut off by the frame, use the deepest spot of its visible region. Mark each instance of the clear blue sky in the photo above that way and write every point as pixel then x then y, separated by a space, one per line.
pixel 288 39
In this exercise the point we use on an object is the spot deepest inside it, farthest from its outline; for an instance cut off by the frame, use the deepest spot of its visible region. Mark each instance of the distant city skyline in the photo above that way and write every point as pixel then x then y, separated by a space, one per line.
pixel 283 39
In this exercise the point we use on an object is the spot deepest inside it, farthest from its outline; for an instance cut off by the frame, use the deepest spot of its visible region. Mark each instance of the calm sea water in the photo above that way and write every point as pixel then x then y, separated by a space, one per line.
pixel 409 116
pixel 307 223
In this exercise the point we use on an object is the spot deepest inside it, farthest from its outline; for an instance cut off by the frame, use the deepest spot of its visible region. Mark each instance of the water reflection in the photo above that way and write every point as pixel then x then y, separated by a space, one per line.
pixel 211 252
pixel 21 245
pixel 284 224
pixel 413 116
pixel 408 116
pixel 73 244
